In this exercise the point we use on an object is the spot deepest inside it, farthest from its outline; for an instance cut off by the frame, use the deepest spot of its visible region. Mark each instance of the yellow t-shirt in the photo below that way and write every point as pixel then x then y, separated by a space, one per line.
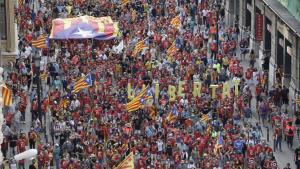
pixel 69 9
pixel 118 68
pixel 148 65
pixel 225 61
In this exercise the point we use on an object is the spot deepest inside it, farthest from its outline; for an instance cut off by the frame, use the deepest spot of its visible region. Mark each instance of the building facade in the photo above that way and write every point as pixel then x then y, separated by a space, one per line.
pixel 280 37
pixel 8 51
pixel 8 32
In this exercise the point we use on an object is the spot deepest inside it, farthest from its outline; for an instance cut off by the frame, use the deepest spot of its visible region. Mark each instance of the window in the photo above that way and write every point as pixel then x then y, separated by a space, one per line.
pixel 2 20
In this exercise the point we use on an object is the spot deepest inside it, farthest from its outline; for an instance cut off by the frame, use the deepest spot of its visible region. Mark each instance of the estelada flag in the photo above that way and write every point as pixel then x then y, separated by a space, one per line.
pixel 82 83
pixel 7 96
pixel 172 50
pixel 127 163
pixel 41 42
pixel 84 27
pixel 176 22
pixel 138 101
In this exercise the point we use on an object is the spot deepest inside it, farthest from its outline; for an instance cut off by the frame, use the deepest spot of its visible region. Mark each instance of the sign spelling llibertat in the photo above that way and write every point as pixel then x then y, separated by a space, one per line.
pixel 178 91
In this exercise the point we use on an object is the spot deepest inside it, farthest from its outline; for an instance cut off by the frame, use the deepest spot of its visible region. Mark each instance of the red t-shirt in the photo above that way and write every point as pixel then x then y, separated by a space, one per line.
pixel 21 144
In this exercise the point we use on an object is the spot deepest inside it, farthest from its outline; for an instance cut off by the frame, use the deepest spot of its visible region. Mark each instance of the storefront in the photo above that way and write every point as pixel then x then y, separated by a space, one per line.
pixel 280 41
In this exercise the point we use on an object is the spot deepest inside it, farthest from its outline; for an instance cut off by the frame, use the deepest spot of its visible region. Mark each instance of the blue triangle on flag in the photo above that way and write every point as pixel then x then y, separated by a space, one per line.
pixel 88 80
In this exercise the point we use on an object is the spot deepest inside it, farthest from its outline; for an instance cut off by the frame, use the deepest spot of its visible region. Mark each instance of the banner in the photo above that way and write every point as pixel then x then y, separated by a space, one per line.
pixel 259 27
pixel 178 91
pixel 84 27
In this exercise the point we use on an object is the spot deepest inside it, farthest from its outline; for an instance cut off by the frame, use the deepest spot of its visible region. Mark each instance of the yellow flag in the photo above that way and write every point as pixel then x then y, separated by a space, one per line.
pixel 139 47
pixel 7 96
pixel 176 22
pixel 125 2
pixel 127 163
pixel 43 76
pixel 172 50
pixel 205 118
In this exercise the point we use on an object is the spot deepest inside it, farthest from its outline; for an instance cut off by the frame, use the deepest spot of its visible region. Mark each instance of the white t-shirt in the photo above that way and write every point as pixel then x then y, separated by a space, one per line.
pixel 204 12
pixel 160 145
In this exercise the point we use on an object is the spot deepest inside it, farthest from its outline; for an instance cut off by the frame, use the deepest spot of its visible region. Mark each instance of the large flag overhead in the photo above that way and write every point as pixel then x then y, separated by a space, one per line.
pixel 84 27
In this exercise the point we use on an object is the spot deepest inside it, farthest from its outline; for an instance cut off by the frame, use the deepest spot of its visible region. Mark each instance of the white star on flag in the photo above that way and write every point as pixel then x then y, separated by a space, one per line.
pixel 83 33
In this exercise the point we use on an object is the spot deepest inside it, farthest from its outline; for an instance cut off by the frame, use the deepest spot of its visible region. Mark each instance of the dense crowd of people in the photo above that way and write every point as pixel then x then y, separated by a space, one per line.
pixel 92 128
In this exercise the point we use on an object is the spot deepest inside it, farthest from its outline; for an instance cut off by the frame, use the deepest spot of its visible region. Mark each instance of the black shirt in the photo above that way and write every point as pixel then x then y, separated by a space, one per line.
pixel 32 166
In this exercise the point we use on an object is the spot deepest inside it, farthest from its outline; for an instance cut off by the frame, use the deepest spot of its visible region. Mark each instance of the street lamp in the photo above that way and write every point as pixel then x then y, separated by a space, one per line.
pixel 37 60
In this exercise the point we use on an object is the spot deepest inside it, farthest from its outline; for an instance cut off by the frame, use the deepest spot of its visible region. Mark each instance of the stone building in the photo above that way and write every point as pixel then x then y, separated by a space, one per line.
pixel 8 51
pixel 280 36
pixel 8 32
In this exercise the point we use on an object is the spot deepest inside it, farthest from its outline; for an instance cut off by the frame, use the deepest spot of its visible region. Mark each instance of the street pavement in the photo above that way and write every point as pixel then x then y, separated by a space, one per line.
pixel 287 154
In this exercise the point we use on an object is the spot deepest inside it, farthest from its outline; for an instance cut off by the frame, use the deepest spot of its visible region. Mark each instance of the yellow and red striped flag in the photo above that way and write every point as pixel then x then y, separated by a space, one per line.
pixel 205 117
pixel 171 117
pixel 139 47
pixel 44 76
pixel 64 103
pixel 152 112
pixel 137 102
pixel 40 42
pixel 208 130
pixel 176 22
pixel 20 3
pixel 82 83
pixel 125 2
pixel 127 163
pixel 172 50
pixel 7 96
